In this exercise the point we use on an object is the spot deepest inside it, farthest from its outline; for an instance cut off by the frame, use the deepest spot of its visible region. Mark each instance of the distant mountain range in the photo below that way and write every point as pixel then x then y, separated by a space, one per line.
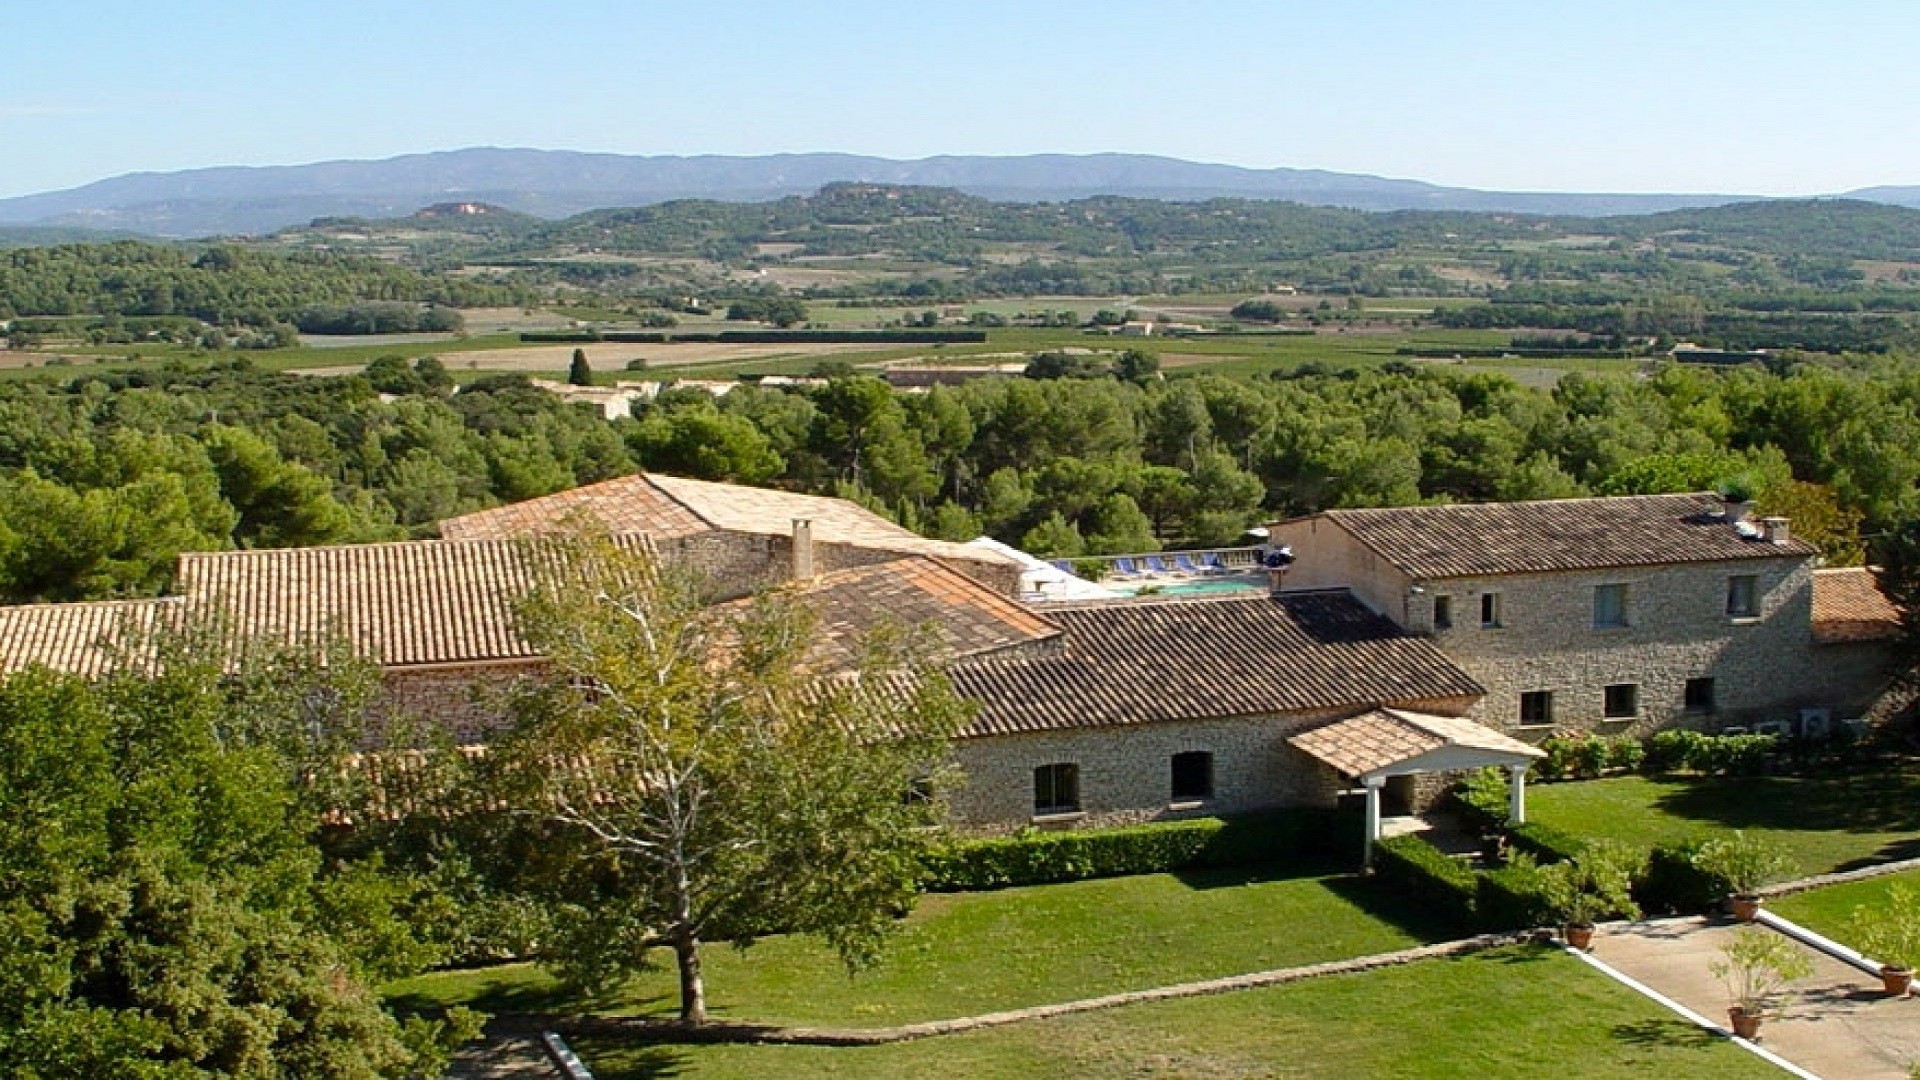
pixel 557 183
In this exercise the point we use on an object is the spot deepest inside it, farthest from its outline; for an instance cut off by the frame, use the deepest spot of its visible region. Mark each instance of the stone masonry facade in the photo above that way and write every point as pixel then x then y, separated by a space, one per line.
pixel 1124 774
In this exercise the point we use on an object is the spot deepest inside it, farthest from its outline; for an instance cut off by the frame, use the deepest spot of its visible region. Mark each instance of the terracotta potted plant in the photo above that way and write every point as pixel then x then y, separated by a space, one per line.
pixel 1891 935
pixel 1755 967
pixel 1585 889
pixel 1747 865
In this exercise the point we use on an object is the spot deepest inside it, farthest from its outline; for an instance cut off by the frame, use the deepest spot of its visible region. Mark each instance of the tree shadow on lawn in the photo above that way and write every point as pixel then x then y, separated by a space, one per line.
pixel 630 1059
pixel 1227 877
pixel 1885 801
pixel 1675 1034
pixel 544 999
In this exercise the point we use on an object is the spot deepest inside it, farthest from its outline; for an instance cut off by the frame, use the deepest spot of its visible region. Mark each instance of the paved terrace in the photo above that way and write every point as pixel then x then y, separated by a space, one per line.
pixel 1838 1024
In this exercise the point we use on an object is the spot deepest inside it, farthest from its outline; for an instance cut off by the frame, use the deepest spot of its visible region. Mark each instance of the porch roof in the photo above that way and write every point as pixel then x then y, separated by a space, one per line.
pixel 1395 742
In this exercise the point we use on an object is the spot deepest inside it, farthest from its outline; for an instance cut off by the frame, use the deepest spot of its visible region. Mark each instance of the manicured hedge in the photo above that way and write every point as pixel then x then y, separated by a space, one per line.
pixel 1510 899
pixel 1307 837
pixel 1416 868
pixel 1546 843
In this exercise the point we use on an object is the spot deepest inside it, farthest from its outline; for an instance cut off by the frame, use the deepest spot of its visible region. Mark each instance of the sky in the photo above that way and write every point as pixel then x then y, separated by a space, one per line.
pixel 1756 97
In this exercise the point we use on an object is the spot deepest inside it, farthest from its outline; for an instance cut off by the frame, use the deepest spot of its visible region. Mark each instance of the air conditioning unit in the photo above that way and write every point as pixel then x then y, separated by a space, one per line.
pixel 1816 723
pixel 1773 727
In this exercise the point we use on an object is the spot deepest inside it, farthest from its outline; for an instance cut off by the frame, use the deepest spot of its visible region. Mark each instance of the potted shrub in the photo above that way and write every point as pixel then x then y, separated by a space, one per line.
pixel 1746 865
pixel 1755 967
pixel 1592 886
pixel 1891 935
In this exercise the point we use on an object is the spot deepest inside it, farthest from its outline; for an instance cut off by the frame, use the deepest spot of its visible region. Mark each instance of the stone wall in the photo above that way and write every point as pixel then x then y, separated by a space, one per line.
pixel 1677 628
pixel 1327 556
pixel 466 701
pixel 1125 771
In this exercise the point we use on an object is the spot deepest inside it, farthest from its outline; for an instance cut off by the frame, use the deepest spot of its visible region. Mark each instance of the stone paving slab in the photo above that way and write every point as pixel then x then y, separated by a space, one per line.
pixel 1838 1024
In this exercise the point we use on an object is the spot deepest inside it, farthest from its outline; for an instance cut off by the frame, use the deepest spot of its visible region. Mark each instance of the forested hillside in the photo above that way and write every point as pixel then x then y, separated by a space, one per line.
pixel 103 480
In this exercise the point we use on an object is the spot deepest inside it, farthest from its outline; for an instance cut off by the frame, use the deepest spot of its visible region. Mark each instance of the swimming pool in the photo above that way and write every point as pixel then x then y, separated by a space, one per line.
pixel 1188 587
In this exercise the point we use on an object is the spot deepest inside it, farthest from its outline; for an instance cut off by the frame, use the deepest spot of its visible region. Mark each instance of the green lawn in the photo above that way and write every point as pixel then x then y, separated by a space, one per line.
pixel 1829 911
pixel 1515 1013
pixel 1824 823
pixel 963 954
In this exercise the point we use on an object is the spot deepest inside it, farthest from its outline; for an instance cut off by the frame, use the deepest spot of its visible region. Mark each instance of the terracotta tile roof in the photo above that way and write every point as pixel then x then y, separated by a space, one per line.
pixel 673 506
pixel 965 617
pixel 629 504
pixel 1134 663
pixel 1383 738
pixel 1555 534
pixel 75 638
pixel 1849 606
pixel 398 604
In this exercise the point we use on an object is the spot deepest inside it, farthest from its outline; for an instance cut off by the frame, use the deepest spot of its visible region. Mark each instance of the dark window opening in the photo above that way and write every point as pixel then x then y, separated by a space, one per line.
pixel 1536 707
pixel 1193 775
pixel 1698 696
pixel 1490 609
pixel 1622 701
pixel 1743 596
pixel 1056 788
pixel 1443 613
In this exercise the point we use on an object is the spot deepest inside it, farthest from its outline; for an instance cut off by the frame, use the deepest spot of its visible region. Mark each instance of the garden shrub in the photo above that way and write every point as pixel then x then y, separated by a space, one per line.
pixel 1673 882
pixel 1307 837
pixel 1481 799
pixel 1414 867
pixel 1625 753
pixel 1671 751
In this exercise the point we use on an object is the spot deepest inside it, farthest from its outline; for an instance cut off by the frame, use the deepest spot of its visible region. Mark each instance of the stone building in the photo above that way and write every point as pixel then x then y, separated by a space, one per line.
pixel 1618 615
pixel 1400 645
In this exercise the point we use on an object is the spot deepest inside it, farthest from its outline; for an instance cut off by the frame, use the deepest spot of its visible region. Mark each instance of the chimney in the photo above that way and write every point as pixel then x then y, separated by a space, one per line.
pixel 802 549
pixel 1776 531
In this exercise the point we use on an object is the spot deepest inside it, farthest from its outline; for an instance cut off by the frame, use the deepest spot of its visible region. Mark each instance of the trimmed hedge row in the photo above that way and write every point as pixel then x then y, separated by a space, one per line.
pixel 1418 868
pixel 1307 837
pixel 1544 842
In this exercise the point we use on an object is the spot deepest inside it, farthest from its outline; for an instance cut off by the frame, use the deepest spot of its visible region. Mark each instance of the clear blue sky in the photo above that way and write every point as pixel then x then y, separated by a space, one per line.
pixel 1757 97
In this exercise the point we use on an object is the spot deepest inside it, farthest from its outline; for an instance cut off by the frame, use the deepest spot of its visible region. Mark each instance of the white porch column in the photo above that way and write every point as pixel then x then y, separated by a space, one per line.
pixel 1373 784
pixel 1517 794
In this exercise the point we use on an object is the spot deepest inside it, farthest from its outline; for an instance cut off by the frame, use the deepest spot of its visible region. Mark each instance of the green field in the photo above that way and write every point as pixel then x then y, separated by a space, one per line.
pixel 962 954
pixel 1824 823
pixel 1239 355
pixel 1506 1015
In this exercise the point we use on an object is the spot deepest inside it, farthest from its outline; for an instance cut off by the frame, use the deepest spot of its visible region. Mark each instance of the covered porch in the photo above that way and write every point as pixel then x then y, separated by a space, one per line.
pixel 1376 746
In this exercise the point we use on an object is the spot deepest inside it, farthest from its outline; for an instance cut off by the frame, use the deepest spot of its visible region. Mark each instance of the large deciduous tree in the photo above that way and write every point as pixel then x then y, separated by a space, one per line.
pixel 735 785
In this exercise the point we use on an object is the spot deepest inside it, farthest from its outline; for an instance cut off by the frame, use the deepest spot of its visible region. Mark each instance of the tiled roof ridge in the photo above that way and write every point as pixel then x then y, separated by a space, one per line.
pixel 1704 497
pixel 129 602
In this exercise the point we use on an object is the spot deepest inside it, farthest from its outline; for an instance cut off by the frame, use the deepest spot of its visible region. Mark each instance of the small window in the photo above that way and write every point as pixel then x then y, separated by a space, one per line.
pixel 1443 613
pixel 1622 701
pixel 1698 696
pixel 1192 775
pixel 1056 788
pixel 1489 610
pixel 1536 707
pixel 1609 605
pixel 1743 596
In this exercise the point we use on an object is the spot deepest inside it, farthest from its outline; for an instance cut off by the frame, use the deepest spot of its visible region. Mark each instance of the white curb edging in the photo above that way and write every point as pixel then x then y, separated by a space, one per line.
pixel 563 1056
pixel 1690 1016
pixel 1813 940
